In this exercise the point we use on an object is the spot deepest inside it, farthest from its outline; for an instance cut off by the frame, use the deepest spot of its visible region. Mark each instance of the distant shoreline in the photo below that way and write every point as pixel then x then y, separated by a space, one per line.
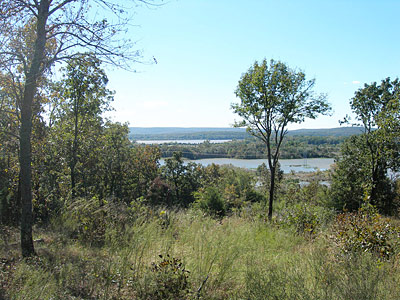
pixel 287 165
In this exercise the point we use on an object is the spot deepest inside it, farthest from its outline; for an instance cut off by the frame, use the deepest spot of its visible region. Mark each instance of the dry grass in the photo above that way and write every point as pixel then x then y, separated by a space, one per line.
pixel 233 258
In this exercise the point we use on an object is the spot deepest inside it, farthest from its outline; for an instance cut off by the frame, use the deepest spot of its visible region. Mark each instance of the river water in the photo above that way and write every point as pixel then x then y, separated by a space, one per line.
pixel 193 142
pixel 287 165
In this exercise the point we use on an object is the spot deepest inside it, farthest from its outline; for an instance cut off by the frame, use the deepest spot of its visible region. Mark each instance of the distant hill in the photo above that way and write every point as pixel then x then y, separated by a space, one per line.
pixel 220 133
pixel 187 133
pixel 181 130
pixel 339 131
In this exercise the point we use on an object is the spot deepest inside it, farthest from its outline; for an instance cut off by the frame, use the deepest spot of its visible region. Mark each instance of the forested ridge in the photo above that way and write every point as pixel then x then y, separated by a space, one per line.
pixel 85 213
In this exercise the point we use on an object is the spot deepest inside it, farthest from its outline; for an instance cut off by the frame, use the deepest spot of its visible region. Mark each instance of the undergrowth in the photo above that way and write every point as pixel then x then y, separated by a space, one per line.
pixel 158 254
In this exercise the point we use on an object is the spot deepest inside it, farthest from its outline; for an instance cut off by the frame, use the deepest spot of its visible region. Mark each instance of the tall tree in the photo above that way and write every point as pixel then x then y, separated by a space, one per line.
pixel 273 96
pixel 377 110
pixel 74 27
pixel 84 97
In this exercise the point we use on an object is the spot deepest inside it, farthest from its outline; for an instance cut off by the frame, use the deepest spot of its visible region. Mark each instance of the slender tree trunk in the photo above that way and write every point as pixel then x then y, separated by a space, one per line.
pixel 72 177
pixel 74 158
pixel 25 173
pixel 25 158
pixel 271 192
pixel 74 162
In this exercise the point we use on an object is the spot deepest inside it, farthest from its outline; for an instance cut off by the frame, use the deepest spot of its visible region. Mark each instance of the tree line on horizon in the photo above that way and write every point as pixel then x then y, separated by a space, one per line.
pixel 165 133
pixel 293 147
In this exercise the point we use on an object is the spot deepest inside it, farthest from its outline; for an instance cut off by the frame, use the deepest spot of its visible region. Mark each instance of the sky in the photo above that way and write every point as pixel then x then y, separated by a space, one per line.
pixel 202 47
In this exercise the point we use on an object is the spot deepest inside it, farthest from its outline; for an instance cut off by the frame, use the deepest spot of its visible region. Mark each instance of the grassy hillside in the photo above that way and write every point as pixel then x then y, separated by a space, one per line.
pixel 162 254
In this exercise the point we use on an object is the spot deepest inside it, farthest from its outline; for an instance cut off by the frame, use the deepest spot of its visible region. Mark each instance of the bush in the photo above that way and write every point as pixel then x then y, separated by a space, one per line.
pixel 159 193
pixel 255 196
pixel 210 200
pixel 304 218
pixel 168 279
pixel 366 231
pixel 85 220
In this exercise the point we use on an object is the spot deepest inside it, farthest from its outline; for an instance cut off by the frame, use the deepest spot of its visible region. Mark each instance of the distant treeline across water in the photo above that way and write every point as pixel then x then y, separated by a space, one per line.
pixel 206 143
pixel 203 133
pixel 293 147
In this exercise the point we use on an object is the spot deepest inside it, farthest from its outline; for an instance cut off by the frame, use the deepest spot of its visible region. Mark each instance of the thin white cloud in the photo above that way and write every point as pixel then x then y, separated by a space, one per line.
pixel 355 82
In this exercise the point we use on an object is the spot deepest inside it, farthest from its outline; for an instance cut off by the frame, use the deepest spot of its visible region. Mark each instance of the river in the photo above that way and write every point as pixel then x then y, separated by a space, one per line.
pixel 192 142
pixel 287 165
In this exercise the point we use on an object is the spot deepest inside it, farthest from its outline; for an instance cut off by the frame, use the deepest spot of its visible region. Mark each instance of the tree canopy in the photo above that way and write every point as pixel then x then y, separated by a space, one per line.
pixel 272 96
pixel 362 171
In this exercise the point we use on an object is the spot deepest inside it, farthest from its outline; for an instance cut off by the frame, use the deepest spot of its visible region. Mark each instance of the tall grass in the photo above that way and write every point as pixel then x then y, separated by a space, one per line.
pixel 232 258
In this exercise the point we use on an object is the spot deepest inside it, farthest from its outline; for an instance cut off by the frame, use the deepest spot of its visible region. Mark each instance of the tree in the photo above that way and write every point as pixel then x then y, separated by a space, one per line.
pixel 184 179
pixel 84 97
pixel 352 178
pixel 367 158
pixel 273 96
pixel 72 28
pixel 10 122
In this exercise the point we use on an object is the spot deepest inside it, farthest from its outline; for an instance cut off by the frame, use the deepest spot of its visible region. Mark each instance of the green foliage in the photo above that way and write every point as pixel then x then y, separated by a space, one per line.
pixel 86 220
pixel 305 219
pixel 168 280
pixel 305 208
pixel 272 96
pixel 366 231
pixel 160 193
pixel 82 99
pixel 255 196
pixel 210 201
pixel 226 190
pixel 352 180
pixel 251 148
pixel 274 90
pixel 10 122
pixel 363 167
pixel 183 179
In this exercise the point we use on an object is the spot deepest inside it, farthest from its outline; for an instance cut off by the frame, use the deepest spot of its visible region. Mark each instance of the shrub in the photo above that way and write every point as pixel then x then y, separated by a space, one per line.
pixel 255 196
pixel 210 200
pixel 168 280
pixel 366 231
pixel 85 220
pixel 304 218
pixel 159 193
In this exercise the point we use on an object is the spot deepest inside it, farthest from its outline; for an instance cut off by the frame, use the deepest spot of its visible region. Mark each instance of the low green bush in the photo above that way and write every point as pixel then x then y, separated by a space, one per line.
pixel 366 231
pixel 210 201
pixel 85 220
pixel 167 279
pixel 304 218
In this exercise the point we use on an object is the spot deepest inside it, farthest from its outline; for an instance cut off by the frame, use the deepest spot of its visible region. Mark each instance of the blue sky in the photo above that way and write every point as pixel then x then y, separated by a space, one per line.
pixel 203 46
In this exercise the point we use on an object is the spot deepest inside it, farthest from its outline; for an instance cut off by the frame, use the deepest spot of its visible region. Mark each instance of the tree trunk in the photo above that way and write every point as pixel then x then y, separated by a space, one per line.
pixel 271 192
pixel 25 165
pixel 72 176
pixel 25 158
pixel 74 159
